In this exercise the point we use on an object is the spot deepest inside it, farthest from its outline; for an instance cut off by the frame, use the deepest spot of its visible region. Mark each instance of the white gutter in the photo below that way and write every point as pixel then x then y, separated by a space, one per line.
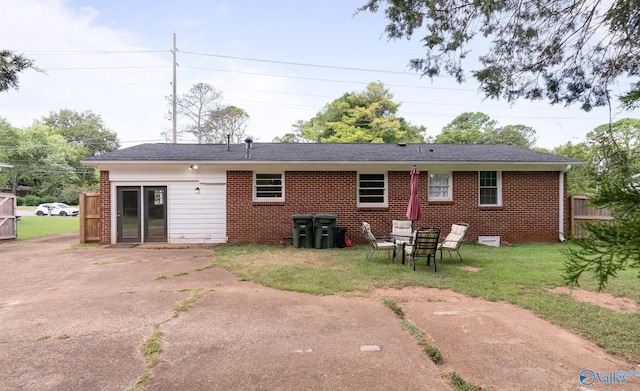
pixel 561 203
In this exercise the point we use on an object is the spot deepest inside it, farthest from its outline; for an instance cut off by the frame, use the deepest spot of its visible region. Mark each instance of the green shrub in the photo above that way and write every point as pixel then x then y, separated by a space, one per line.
pixel 31 200
pixel 48 199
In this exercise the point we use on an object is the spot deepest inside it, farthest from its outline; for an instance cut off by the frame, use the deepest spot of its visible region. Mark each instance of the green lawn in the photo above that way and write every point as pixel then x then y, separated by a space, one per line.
pixel 36 226
pixel 519 274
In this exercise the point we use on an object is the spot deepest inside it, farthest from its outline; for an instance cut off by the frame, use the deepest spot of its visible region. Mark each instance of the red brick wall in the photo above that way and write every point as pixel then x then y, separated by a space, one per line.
pixel 529 211
pixel 105 208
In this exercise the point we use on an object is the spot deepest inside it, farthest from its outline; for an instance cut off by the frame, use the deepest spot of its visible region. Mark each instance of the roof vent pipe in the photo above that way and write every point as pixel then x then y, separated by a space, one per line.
pixel 228 141
pixel 248 145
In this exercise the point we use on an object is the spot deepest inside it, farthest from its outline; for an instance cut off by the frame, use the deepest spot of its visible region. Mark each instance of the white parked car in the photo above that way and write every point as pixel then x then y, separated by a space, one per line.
pixel 57 209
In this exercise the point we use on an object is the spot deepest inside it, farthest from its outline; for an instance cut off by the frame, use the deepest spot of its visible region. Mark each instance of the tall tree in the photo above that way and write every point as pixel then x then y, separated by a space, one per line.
pixel 11 65
pixel 83 129
pixel 295 136
pixel 479 128
pixel 518 135
pixel 565 51
pixel 579 180
pixel 42 159
pixel 466 128
pixel 9 142
pixel 611 246
pixel 195 107
pixel 368 116
pixel 227 121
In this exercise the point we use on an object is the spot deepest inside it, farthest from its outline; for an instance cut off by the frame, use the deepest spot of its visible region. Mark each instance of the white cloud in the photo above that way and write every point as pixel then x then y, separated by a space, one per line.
pixel 88 67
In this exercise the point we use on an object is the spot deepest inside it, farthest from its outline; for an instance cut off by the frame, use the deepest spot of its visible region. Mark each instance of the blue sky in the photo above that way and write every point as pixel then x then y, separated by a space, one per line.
pixel 113 58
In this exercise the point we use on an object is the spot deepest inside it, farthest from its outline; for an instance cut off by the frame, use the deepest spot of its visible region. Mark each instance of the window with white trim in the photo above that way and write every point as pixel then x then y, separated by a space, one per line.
pixel 372 190
pixel 268 187
pixel 440 186
pixel 490 188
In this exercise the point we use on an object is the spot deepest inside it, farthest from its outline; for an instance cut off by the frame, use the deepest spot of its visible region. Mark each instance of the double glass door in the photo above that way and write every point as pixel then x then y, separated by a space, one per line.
pixel 142 211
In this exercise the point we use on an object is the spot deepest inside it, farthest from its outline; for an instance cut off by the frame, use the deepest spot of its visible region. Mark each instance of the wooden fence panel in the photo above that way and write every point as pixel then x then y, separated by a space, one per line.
pixel 89 217
pixel 582 212
pixel 8 218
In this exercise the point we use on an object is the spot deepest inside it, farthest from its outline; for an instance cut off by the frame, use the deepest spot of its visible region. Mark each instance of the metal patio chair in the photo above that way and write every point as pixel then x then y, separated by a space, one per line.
pixel 424 244
pixel 377 244
pixel 453 241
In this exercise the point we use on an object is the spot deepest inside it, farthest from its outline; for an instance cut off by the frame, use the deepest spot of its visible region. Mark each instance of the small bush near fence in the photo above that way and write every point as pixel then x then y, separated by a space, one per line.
pixel 32 200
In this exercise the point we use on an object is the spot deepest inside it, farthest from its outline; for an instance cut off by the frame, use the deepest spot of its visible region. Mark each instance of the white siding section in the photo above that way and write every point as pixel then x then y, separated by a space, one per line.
pixel 197 218
pixel 191 218
pixel 144 174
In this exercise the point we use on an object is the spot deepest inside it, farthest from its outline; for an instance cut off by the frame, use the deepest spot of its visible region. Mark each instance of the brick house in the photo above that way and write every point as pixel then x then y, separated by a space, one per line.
pixel 206 193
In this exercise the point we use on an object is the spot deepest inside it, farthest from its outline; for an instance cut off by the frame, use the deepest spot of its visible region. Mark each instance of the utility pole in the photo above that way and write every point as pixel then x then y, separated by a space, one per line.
pixel 175 96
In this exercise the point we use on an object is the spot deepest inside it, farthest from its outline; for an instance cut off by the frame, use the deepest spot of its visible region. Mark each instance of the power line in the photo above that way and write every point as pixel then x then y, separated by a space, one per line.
pixel 108 68
pixel 86 52
pixel 328 80
pixel 301 64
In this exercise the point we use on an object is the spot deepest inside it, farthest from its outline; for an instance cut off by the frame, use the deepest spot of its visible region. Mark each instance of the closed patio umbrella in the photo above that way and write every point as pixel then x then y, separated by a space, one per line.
pixel 413 210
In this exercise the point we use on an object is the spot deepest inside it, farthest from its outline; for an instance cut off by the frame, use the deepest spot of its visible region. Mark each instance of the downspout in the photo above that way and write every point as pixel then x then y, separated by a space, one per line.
pixel 561 203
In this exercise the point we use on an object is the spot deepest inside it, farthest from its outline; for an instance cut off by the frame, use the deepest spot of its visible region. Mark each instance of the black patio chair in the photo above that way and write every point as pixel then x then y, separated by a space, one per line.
pixel 424 243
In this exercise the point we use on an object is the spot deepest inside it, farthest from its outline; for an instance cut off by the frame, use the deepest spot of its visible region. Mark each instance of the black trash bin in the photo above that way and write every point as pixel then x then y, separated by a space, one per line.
pixel 341 235
pixel 325 226
pixel 302 231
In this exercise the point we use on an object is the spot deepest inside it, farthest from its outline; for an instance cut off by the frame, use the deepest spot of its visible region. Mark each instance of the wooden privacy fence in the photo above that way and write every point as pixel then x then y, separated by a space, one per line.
pixel 89 217
pixel 582 212
pixel 8 218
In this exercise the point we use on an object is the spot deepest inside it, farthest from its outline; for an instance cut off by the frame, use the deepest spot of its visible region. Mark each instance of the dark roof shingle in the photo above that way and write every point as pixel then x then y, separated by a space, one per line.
pixel 309 152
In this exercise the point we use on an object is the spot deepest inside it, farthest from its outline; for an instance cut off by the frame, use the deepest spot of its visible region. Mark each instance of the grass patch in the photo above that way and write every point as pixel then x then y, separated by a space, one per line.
pixel 145 377
pixel 82 246
pixel 433 352
pixel 394 307
pixel 205 267
pixel 181 274
pixel 459 384
pixel 162 277
pixel 151 349
pixel 518 274
pixel 37 226
pixel 187 304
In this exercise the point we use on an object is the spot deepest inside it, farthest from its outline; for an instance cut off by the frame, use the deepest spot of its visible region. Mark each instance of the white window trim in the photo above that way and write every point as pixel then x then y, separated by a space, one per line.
pixel 267 199
pixel 449 192
pixel 383 204
pixel 498 184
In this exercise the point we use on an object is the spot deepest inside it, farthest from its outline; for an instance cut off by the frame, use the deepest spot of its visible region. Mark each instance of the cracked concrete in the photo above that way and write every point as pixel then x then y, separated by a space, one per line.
pixel 75 320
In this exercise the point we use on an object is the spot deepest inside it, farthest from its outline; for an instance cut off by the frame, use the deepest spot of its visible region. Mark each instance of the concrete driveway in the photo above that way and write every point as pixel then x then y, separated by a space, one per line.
pixel 76 320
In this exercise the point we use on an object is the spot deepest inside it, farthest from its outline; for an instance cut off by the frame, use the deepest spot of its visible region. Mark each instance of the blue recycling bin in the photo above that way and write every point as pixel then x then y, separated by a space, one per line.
pixel 325 227
pixel 302 230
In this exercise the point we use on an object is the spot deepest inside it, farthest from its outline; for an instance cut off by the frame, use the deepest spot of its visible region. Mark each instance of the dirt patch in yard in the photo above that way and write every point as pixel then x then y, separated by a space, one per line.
pixel 602 299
